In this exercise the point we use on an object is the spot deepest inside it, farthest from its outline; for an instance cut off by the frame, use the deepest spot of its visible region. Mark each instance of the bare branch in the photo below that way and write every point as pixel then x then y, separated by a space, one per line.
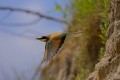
pixel 17 34
pixel 33 13
pixel 6 16
pixel 20 24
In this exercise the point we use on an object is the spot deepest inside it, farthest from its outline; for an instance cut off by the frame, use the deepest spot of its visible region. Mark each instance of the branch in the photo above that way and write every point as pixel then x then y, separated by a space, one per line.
pixel 33 13
pixel 17 34
pixel 20 24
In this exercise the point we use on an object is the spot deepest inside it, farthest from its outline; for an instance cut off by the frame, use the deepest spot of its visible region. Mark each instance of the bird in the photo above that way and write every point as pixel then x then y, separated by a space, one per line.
pixel 54 43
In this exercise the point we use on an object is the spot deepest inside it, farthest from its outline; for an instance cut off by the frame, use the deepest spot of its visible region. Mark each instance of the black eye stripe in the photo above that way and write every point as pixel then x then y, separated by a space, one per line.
pixel 43 37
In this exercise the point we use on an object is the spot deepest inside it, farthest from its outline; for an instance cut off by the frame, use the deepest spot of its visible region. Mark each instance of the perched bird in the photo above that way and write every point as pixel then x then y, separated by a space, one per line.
pixel 53 43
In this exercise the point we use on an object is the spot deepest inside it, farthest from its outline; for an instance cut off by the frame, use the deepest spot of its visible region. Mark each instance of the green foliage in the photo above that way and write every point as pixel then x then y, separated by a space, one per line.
pixel 58 8
pixel 83 10
pixel 103 28
pixel 82 74
pixel 64 11
pixel 101 52
pixel 84 7
pixel 104 24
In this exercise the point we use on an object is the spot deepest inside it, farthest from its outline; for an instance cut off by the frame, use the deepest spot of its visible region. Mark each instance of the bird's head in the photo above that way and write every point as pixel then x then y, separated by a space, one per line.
pixel 43 39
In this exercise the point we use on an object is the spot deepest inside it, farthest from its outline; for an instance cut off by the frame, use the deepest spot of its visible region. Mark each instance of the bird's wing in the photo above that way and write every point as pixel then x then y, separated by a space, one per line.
pixel 45 54
pixel 52 47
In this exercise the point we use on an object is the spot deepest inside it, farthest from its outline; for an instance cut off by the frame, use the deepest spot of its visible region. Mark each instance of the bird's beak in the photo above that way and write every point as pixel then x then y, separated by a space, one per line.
pixel 38 38
pixel 42 39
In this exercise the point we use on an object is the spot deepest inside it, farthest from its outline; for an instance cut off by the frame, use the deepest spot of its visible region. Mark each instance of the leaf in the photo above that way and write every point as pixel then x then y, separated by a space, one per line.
pixel 103 39
pixel 58 8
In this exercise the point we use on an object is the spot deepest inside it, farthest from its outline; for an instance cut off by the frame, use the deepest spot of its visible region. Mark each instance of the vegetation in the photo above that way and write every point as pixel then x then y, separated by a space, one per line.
pixel 83 12
pixel 82 15
pixel 103 27
pixel 90 16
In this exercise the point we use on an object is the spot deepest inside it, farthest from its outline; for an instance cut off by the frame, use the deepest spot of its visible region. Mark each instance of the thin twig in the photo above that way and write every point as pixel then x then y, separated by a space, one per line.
pixel 33 13
pixel 17 34
pixel 25 24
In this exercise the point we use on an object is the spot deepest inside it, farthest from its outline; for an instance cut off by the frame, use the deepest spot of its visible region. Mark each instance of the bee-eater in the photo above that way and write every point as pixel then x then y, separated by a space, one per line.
pixel 53 43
